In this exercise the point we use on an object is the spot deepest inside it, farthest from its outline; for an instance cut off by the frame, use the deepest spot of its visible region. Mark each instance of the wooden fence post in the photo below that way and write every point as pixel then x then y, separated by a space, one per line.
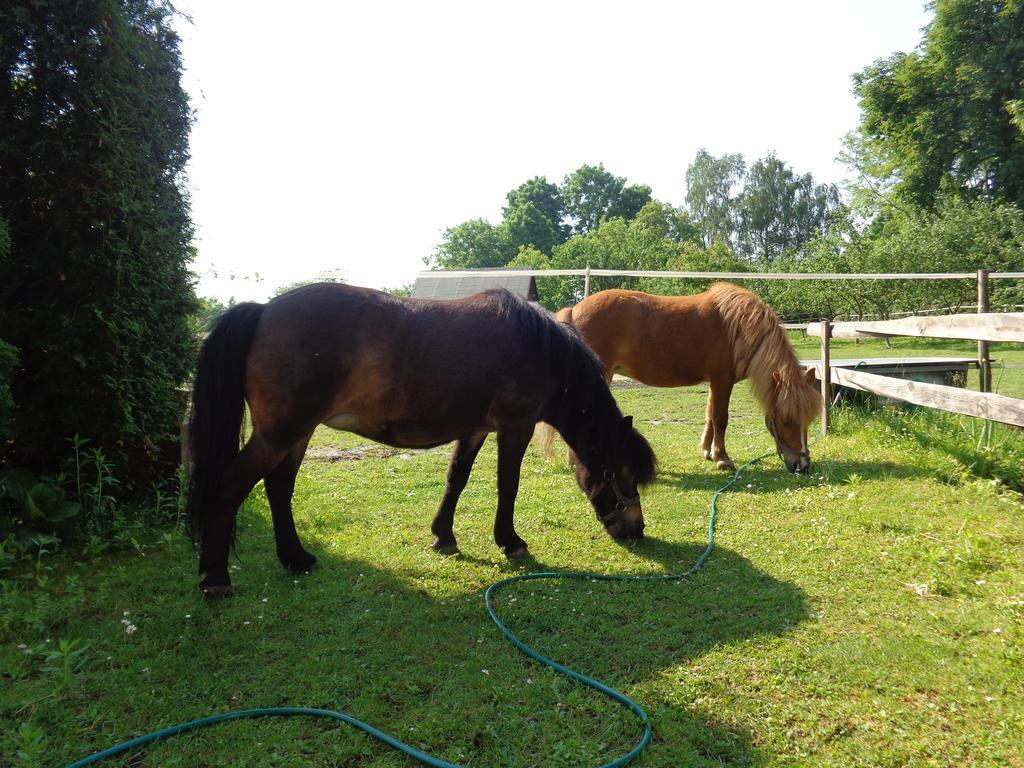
pixel 984 363
pixel 826 375
pixel 586 282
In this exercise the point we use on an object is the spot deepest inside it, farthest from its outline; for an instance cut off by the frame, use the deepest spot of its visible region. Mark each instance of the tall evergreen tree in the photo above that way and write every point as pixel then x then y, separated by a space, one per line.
pixel 96 291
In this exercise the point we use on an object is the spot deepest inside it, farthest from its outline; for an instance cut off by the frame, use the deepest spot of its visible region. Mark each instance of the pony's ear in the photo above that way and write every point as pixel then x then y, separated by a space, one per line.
pixel 626 425
pixel 811 375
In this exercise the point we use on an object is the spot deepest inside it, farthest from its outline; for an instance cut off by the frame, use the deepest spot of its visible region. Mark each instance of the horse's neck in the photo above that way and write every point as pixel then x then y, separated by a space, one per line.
pixel 577 428
pixel 576 437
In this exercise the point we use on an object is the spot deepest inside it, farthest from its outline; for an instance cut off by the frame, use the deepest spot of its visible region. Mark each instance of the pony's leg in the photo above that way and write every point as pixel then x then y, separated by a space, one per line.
pixel 708 436
pixel 463 455
pixel 255 461
pixel 280 485
pixel 512 444
pixel 718 406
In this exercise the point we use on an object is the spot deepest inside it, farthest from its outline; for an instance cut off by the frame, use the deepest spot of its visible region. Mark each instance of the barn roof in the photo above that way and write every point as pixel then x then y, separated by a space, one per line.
pixel 429 286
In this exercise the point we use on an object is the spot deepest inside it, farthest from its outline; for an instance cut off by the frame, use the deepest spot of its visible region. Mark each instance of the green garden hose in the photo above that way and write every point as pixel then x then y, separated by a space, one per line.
pixel 423 757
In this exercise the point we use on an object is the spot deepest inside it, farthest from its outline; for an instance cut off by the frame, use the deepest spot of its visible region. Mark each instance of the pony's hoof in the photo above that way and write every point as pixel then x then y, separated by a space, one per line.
pixel 305 564
pixel 725 464
pixel 302 563
pixel 445 548
pixel 216 591
pixel 517 553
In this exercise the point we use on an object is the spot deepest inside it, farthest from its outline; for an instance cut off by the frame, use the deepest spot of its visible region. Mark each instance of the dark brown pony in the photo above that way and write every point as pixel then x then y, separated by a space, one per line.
pixel 408 373
pixel 721 336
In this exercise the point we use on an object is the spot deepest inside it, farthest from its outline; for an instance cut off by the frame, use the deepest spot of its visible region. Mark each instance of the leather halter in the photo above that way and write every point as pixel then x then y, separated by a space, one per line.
pixel 781 446
pixel 622 503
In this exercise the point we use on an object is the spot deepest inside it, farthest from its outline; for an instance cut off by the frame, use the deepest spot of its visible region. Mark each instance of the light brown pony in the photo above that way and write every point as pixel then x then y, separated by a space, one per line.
pixel 721 336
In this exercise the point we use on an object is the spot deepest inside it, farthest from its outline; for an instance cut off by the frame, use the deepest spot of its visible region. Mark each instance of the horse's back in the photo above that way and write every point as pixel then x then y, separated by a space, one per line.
pixel 401 371
pixel 663 341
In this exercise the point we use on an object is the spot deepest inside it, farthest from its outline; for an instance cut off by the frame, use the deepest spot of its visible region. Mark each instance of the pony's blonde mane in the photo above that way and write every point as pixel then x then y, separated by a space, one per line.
pixel 762 353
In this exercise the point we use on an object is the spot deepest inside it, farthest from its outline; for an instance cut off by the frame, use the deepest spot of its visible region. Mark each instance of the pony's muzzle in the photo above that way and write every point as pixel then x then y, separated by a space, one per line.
pixel 799 467
pixel 630 525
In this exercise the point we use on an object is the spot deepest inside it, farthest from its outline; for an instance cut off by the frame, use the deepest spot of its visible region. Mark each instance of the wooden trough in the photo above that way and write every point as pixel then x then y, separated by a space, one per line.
pixel 950 371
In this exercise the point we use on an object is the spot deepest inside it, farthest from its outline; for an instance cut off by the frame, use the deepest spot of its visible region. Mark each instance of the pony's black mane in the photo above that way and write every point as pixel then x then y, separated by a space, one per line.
pixel 583 409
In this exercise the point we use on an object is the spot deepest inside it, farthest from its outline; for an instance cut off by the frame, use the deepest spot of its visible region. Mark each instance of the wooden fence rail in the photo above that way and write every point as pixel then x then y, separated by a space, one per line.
pixel 718 275
pixel 988 326
pixel 983 327
pixel 984 405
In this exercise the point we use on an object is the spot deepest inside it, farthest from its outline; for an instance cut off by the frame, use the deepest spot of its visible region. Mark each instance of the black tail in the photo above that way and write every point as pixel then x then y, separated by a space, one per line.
pixel 218 405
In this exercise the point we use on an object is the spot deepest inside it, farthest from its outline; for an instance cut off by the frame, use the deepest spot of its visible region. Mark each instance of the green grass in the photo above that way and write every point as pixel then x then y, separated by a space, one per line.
pixel 869 614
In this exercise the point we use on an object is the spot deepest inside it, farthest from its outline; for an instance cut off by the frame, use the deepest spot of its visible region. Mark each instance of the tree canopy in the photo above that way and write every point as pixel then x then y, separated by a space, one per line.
pixel 712 185
pixel 763 210
pixel 540 215
pixel 948 116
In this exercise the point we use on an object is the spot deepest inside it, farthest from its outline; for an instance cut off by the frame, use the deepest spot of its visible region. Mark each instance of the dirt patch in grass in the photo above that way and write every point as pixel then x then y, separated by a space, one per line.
pixel 332 453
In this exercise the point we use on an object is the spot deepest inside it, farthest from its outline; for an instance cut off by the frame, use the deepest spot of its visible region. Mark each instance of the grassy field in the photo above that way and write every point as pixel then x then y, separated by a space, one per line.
pixel 868 614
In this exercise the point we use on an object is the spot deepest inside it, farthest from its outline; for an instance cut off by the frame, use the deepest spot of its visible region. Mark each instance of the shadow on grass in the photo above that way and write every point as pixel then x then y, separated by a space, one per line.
pixel 413 656
pixel 626 633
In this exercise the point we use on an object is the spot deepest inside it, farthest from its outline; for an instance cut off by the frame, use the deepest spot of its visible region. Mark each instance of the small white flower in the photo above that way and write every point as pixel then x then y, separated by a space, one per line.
pixel 129 628
pixel 263 600
pixel 485 671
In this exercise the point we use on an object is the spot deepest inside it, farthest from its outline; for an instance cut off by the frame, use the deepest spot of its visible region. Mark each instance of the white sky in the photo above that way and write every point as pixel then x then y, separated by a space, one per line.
pixel 348 136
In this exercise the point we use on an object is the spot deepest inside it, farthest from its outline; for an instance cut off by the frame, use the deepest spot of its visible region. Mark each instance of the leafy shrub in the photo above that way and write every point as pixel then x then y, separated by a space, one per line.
pixel 36 500
pixel 95 291
pixel 8 359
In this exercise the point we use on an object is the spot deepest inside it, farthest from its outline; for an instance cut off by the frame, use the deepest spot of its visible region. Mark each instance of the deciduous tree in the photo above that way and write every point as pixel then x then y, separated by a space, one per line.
pixel 592 195
pixel 780 210
pixel 712 187
pixel 946 117
pixel 471 245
